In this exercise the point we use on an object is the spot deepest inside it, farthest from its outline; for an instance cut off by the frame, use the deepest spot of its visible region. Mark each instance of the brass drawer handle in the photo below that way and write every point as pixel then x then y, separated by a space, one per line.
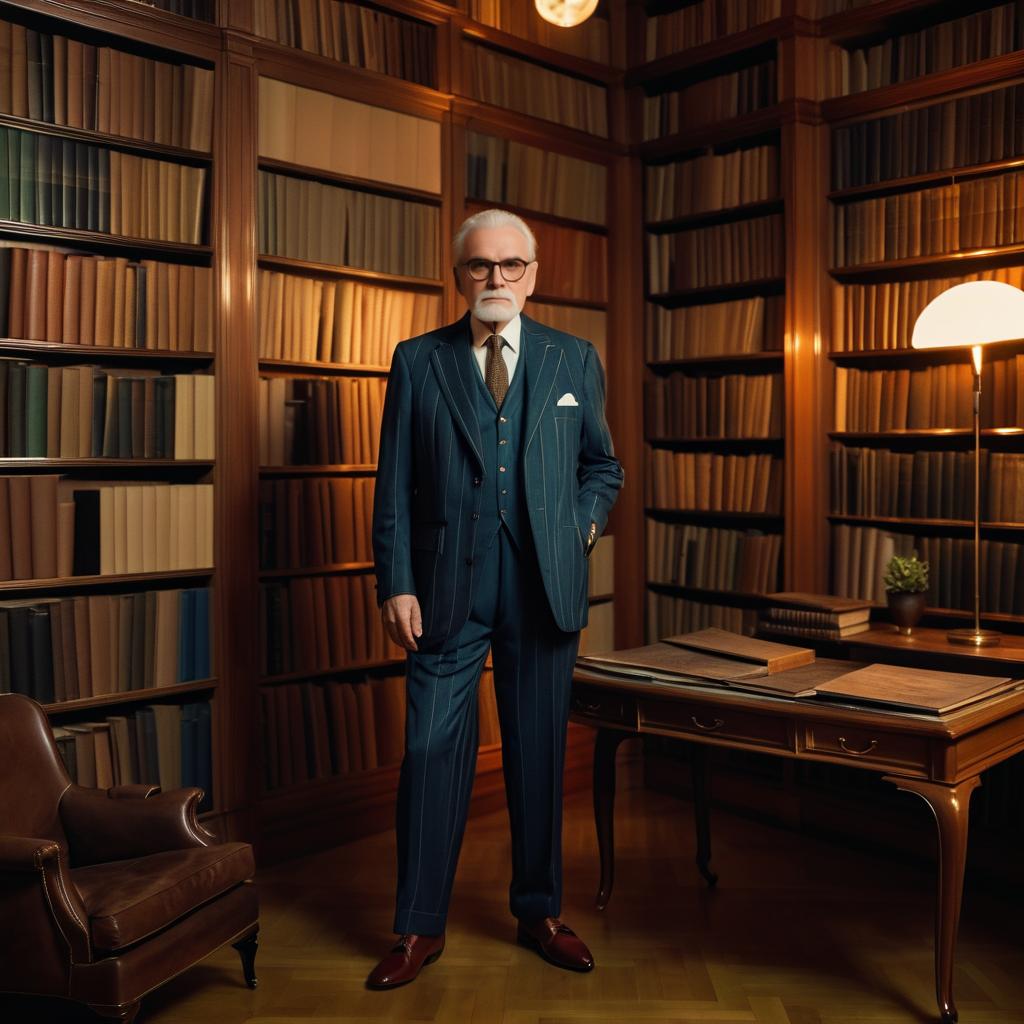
pixel 716 723
pixel 857 753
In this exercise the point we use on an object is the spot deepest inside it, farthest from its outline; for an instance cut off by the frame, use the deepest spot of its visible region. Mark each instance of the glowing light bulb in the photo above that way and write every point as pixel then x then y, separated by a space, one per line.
pixel 565 13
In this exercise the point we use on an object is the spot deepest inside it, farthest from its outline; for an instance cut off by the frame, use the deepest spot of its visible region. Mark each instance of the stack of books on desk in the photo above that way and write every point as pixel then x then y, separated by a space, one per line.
pixel 816 616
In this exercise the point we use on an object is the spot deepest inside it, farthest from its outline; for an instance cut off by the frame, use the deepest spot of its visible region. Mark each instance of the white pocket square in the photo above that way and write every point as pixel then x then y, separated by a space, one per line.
pixel 567 399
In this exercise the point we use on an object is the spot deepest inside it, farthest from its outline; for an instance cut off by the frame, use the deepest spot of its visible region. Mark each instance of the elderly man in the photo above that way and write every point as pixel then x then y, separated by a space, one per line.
pixel 495 479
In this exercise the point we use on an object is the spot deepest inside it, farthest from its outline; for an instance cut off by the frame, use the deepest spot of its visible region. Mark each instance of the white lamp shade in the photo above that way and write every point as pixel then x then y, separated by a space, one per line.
pixel 974 313
pixel 565 13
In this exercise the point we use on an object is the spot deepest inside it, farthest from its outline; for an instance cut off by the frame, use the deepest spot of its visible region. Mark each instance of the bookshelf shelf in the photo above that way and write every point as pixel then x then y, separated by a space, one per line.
pixel 946 176
pixel 763 122
pixel 934 435
pixel 725 361
pixel 719 292
pixel 286 263
pixel 910 356
pixel 337 670
pixel 709 58
pixel 716 443
pixel 513 121
pixel 318 570
pixel 93 353
pixel 870 19
pixel 124 143
pixel 568 300
pixel 379 188
pixel 339 470
pixel 101 241
pixel 708 217
pixel 963 262
pixel 938 524
pixel 731 597
pixel 292 366
pixel 130 696
pixel 78 583
pixel 7 464
pixel 542 215
pixel 942 83
pixel 684 515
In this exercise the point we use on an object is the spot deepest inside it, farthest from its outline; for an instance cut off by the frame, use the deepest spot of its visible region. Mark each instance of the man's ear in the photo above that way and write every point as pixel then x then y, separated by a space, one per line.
pixel 531 278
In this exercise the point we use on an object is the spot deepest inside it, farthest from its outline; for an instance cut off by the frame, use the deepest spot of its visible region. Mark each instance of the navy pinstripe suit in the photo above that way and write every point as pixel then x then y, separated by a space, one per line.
pixel 524 597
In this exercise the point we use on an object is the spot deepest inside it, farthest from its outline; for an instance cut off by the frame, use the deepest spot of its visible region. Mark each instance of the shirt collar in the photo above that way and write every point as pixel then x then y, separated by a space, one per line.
pixel 511 333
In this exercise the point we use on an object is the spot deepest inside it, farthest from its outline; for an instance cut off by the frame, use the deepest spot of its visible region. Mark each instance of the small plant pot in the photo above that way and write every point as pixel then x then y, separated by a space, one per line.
pixel 906 609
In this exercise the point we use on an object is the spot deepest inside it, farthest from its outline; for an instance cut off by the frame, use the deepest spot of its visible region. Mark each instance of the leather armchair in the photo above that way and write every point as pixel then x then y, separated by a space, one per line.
pixel 105 895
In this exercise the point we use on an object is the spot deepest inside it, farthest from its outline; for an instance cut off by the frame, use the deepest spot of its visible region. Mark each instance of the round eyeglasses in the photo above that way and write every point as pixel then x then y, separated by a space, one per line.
pixel 511 270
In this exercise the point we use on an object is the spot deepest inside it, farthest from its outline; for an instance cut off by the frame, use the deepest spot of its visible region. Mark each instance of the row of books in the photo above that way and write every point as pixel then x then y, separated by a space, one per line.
pixel 82 412
pixel 75 299
pixel 824 616
pixel 669 616
pixel 712 482
pixel 305 319
pixel 882 316
pixel 505 81
pixel 933 396
pixel 74 648
pixel 343 136
pixel 976 129
pixel 948 44
pixel 860 554
pixel 504 172
pixel 735 327
pixel 744 561
pixel 50 77
pixel 55 182
pixel 312 623
pixel 308 220
pixel 744 250
pixel 701 22
pixel 926 485
pixel 715 181
pixel 362 37
pixel 731 405
pixel 974 214
pixel 590 324
pixel 317 730
pixel 320 421
pixel 53 526
pixel 589 40
pixel 165 745
pixel 710 100
pixel 314 522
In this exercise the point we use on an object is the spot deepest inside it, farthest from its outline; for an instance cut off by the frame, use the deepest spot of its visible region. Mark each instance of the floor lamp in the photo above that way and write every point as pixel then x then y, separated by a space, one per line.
pixel 973 315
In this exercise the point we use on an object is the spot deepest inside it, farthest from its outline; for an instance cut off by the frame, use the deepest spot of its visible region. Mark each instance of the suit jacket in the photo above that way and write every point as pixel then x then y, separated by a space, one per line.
pixel 431 465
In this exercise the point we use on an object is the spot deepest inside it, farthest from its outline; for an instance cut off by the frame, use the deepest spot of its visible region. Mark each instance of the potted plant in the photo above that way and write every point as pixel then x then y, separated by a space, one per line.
pixel 906 582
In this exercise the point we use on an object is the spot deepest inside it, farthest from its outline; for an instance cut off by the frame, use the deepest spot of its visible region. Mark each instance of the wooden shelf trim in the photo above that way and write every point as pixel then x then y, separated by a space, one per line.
pixel 92 353
pixel 868 19
pixel 953 263
pixel 339 469
pixel 349 181
pixel 730 597
pixel 568 300
pixel 130 696
pixel 946 524
pixel 717 292
pixel 698 515
pixel 104 241
pixel 926 433
pixel 348 568
pixel 93 582
pixel 543 215
pixel 337 670
pixel 725 215
pixel 7 463
pixel 913 355
pixel 600 146
pixel 945 176
pixel 291 367
pixel 739 359
pixel 381 277
pixel 715 442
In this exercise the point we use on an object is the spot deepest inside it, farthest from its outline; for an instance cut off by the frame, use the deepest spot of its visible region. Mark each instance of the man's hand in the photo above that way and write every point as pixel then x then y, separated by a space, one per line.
pixel 402 620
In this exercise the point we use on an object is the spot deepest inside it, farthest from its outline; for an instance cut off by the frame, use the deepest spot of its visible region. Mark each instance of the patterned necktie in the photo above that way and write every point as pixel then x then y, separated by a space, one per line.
pixel 495 370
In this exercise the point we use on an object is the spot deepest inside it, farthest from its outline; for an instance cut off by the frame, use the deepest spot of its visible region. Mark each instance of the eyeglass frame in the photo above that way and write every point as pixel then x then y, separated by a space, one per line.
pixel 491 264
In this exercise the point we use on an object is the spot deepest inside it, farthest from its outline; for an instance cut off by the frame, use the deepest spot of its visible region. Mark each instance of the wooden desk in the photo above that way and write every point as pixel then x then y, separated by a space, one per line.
pixel 939 759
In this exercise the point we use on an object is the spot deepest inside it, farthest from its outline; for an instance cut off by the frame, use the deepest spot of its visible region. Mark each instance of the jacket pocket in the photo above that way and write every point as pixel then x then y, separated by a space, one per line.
pixel 428 537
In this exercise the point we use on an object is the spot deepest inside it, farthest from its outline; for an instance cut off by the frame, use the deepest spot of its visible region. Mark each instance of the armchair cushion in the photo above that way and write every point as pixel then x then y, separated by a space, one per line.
pixel 128 900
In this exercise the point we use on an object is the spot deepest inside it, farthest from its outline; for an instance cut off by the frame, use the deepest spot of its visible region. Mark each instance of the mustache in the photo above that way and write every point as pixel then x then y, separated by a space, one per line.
pixel 495 293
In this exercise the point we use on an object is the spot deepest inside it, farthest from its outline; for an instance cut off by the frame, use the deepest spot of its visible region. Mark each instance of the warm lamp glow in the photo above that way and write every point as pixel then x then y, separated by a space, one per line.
pixel 565 13
pixel 975 313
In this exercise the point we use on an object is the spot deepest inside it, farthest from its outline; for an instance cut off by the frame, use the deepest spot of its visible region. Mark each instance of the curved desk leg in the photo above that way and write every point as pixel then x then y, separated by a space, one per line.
pixel 949 804
pixel 605 748
pixel 701 798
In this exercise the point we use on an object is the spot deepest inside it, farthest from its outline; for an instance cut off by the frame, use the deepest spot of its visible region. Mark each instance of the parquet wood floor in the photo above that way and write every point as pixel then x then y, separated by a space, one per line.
pixel 799 931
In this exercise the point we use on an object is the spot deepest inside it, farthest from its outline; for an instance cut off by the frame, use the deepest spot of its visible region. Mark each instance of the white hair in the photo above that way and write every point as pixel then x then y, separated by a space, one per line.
pixel 493 219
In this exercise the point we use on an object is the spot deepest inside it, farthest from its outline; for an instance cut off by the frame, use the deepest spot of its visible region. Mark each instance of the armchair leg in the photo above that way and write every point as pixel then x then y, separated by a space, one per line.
pixel 122 1014
pixel 247 951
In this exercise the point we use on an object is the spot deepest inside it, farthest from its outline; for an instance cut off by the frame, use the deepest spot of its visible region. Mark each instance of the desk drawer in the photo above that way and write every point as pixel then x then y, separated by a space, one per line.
pixel 765 731
pixel 869 747
pixel 600 705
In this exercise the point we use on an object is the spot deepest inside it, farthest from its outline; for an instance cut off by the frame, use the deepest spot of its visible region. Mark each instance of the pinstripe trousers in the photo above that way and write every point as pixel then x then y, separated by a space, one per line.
pixel 533 664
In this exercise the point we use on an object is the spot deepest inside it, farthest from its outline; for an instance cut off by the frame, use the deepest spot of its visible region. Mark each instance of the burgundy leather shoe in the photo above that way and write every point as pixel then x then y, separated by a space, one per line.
pixel 556 942
pixel 403 963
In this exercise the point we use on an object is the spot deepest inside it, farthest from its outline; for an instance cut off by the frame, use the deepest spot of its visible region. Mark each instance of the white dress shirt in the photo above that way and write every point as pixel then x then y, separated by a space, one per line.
pixel 510 352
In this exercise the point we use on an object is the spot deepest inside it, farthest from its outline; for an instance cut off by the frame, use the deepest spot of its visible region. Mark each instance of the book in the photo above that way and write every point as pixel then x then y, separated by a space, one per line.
pixel 671 663
pixel 773 657
pixel 914 689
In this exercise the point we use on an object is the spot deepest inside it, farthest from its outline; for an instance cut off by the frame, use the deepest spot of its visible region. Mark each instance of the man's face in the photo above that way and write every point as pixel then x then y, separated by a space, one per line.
pixel 495 299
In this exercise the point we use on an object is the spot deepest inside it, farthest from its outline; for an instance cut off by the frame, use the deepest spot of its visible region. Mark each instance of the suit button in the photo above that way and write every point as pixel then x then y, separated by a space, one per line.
pixel 475 515
pixel 469 561
pixel 504 492
pixel 502 419
pixel 501 469
pixel 503 441
pixel 476 481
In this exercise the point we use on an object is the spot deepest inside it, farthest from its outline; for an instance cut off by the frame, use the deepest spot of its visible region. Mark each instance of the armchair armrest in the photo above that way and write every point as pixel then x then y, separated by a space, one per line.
pixel 102 827
pixel 132 791
pixel 33 885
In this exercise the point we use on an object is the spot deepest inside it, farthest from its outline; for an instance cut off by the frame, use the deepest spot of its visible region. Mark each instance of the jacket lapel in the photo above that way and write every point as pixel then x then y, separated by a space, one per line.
pixel 452 360
pixel 542 359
